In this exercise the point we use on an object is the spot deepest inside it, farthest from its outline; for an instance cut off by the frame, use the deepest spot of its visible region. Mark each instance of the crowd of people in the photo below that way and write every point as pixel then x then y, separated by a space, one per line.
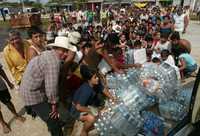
pixel 68 63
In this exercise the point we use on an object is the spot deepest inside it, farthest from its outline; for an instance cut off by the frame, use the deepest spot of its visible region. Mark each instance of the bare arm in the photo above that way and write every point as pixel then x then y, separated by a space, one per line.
pixel 126 66
pixel 105 56
pixel 183 65
pixel 31 53
pixel 186 22
pixel 82 108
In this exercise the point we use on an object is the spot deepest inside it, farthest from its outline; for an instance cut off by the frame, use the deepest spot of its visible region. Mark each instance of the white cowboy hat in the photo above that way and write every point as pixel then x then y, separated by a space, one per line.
pixel 74 37
pixel 63 42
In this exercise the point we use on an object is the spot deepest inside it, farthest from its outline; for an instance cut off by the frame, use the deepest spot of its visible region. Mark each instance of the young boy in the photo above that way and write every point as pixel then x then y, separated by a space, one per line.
pixel 5 98
pixel 187 63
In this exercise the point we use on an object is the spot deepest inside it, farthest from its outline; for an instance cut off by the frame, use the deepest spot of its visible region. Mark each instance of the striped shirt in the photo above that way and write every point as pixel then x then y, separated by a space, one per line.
pixel 40 79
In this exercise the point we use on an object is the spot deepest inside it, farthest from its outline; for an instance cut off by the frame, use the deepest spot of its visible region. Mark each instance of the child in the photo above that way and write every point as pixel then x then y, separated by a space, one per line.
pixel 5 98
pixel 84 97
pixel 187 63
pixel 167 58
pixel 163 44
pixel 117 60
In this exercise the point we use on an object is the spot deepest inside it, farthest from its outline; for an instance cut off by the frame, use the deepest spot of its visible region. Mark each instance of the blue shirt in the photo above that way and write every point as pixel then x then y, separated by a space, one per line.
pixel 84 95
pixel 190 62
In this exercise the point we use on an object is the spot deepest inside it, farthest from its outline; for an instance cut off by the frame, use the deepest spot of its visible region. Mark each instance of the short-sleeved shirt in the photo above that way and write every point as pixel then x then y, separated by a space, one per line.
pixel 40 79
pixel 164 46
pixel 84 95
pixel 190 62
pixel 2 83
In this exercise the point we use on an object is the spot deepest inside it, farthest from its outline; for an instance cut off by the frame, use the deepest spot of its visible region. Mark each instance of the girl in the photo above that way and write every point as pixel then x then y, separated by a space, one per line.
pixel 85 96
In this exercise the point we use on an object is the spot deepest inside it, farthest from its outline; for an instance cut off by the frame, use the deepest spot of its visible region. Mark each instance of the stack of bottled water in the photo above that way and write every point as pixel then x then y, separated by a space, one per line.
pixel 104 126
pixel 184 96
pixel 161 80
pixel 118 120
pixel 172 110
pixel 124 116
pixel 153 124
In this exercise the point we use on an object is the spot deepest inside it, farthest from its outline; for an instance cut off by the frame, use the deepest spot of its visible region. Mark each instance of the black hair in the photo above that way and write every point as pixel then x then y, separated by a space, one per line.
pixel 168 17
pixel 14 33
pixel 175 36
pixel 87 45
pixel 34 30
pixel 87 72
pixel 165 52
pixel 117 51
pixel 148 37
pixel 164 35
pixel 156 60
pixel 158 18
pixel 137 42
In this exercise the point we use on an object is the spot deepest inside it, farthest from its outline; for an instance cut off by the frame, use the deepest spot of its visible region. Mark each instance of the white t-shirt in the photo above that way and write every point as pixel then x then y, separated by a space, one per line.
pixel 179 23
pixel 163 46
pixel 171 62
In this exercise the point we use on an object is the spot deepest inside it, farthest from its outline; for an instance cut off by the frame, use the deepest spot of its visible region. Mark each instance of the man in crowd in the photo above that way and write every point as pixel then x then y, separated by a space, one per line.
pixel 36 41
pixel 39 86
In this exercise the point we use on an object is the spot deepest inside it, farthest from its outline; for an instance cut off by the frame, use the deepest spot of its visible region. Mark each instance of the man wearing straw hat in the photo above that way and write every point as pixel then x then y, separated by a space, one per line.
pixel 39 86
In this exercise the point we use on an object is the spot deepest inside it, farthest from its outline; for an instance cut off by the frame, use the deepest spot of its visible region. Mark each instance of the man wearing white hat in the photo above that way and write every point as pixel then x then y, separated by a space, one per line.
pixel 39 85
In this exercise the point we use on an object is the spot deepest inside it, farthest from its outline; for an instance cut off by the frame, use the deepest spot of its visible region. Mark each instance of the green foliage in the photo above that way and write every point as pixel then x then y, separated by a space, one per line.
pixel 37 5
pixel 8 4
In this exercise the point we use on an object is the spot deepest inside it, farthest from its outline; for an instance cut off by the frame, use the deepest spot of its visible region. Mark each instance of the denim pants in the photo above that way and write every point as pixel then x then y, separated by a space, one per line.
pixel 191 69
pixel 42 110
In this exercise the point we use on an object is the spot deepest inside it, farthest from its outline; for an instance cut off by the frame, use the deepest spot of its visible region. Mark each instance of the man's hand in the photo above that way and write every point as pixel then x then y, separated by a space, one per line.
pixel 54 112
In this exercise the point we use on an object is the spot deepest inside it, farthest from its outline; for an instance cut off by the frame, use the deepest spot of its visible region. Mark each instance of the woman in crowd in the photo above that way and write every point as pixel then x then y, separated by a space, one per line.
pixel 16 55
pixel 85 96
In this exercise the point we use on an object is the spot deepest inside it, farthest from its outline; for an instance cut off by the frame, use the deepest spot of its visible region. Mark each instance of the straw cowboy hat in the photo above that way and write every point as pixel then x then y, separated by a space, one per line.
pixel 63 42
pixel 74 37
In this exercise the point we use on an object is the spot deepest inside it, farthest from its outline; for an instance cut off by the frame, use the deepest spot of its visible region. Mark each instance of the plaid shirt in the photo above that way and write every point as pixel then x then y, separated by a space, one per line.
pixel 40 79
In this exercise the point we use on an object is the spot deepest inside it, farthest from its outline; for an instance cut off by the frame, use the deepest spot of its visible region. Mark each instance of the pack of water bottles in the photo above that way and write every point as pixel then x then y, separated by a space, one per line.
pixel 172 110
pixel 136 91
pixel 153 124
pixel 159 80
pixel 152 79
pixel 117 120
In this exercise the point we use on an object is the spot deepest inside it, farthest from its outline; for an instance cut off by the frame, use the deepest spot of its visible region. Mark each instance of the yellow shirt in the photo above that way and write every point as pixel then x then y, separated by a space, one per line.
pixel 16 63
pixel 77 72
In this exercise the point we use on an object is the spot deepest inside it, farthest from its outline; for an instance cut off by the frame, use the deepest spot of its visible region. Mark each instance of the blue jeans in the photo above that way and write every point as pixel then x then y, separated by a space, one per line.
pixel 191 69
